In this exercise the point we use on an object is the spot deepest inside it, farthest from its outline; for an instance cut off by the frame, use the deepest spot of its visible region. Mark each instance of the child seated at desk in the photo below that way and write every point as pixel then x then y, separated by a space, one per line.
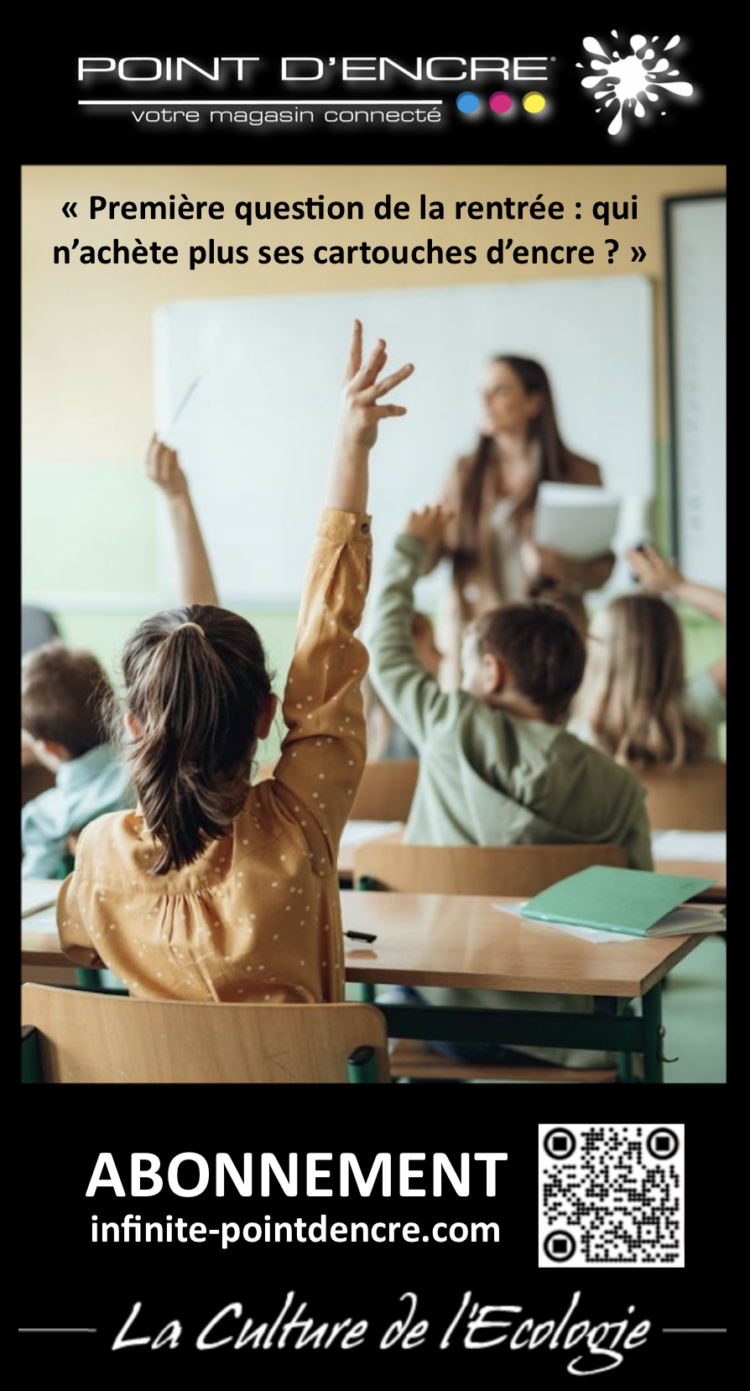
pixel 635 703
pixel 213 889
pixel 497 765
pixel 64 693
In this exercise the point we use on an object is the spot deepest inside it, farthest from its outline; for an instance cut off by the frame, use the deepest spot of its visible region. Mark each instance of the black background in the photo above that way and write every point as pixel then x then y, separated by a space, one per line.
pixel 64 1281
pixel 68 1282
pixel 54 129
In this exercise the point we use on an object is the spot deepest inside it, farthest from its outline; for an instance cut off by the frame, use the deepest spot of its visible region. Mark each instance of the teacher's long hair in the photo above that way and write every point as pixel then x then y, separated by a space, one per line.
pixel 554 462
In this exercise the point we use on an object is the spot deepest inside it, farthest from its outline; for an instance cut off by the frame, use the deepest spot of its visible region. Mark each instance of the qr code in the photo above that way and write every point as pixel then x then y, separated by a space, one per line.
pixel 611 1195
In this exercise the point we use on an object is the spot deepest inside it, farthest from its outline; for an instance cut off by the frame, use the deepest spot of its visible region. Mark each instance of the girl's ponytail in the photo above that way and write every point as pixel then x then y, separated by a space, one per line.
pixel 196 683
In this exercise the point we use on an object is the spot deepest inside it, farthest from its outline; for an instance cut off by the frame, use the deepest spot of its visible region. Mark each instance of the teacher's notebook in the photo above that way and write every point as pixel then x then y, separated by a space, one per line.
pixel 634 902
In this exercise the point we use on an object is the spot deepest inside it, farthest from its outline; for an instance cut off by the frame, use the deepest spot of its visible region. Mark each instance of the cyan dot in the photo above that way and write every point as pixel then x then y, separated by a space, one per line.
pixel 467 102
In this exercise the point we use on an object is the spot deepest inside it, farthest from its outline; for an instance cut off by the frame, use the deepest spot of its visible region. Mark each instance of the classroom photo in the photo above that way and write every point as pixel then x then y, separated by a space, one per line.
pixel 373 641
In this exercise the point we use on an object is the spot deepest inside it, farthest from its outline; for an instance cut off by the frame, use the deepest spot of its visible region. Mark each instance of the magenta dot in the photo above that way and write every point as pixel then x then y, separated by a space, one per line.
pixel 500 102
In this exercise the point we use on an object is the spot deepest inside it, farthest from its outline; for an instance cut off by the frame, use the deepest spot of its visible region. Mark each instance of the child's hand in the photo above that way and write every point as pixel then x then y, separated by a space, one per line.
pixel 163 468
pixel 428 525
pixel 653 571
pixel 361 412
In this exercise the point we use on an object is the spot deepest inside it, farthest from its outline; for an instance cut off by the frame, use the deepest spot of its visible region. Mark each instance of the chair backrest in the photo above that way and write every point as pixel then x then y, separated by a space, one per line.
pixel 508 871
pixel 386 791
pixel 37 627
pixel 691 798
pixel 88 1037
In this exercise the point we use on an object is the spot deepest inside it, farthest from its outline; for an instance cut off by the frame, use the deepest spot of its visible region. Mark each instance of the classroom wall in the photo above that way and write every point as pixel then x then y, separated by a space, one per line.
pixel 89 520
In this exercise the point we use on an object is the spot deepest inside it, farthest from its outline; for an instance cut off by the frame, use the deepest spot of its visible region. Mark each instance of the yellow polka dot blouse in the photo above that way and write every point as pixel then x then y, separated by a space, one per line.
pixel 257 917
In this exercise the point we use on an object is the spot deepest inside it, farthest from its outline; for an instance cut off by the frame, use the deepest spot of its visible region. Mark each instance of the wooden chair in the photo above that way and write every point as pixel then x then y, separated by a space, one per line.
pixel 512 871
pixel 80 1036
pixel 386 791
pixel 691 798
pixel 508 871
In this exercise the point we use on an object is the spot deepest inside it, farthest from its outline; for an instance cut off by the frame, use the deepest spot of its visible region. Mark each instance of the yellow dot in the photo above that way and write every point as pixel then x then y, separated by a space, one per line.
pixel 534 101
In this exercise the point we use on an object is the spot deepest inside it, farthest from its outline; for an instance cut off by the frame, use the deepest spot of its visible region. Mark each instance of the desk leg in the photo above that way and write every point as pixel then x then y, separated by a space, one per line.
pixel 89 978
pixel 653 1066
pixel 625 1060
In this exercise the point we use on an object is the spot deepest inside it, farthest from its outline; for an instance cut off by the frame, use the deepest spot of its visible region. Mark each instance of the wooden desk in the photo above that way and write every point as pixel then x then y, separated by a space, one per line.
pixel 457 941
pixel 702 870
pixel 461 942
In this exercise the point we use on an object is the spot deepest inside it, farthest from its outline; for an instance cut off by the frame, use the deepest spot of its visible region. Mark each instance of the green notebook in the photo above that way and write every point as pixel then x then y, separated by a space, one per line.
pixel 614 900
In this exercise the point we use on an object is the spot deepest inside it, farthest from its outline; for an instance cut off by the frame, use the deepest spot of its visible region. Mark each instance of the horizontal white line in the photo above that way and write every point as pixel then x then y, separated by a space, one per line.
pixel 694 1330
pixel 57 1330
pixel 275 101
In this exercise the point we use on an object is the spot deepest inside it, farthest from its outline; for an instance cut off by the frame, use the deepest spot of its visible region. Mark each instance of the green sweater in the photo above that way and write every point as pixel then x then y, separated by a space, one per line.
pixel 487 777
pixel 490 778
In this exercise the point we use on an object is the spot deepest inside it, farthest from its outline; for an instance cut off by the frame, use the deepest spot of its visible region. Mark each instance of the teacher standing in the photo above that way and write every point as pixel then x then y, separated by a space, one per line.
pixel 491 496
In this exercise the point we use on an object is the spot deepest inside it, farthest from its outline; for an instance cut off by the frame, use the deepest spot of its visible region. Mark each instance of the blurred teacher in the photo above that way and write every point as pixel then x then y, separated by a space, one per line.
pixel 491 495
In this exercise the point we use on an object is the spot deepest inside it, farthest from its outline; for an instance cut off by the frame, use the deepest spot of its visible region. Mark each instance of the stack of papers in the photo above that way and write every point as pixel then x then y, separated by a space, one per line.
pixel 577 521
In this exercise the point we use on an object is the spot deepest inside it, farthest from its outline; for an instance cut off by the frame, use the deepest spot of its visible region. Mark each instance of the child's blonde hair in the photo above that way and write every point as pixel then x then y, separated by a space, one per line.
pixel 637 714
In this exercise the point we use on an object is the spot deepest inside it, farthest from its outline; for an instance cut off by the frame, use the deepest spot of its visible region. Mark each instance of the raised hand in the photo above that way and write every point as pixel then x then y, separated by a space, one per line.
pixel 360 415
pixel 361 412
pixel 196 579
pixel 653 571
pixel 429 525
pixel 163 468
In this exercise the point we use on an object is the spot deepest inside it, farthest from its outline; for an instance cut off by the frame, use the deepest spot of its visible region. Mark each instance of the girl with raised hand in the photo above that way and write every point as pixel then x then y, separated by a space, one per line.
pixel 214 889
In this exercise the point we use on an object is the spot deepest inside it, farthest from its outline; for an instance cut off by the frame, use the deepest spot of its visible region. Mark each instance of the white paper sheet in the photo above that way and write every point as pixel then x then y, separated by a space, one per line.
pixel 360 832
pixel 37 894
pixel 710 846
pixel 577 521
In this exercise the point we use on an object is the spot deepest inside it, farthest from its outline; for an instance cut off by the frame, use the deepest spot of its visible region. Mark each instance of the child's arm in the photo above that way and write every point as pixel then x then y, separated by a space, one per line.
pixel 359 418
pixel 45 850
pixel 196 580
pixel 324 751
pixel 408 690
pixel 655 573
pixel 73 912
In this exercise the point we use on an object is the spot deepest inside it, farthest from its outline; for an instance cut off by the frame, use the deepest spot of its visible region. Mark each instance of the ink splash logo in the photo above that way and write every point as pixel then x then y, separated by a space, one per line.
pixel 623 82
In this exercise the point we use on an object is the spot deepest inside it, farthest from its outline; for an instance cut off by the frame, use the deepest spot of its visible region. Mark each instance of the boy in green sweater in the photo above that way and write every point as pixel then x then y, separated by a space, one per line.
pixel 497 765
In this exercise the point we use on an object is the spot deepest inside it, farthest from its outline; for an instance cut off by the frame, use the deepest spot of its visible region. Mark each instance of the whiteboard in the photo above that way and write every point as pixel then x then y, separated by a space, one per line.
pixel 256 435
pixel 697 281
